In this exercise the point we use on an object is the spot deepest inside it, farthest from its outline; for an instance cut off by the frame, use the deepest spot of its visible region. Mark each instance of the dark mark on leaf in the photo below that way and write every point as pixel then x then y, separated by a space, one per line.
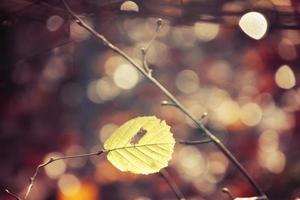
pixel 136 138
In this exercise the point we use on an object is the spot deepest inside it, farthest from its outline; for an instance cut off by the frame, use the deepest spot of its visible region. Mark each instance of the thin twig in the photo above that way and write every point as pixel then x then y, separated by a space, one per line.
pixel 167 103
pixel 51 160
pixel 145 49
pixel 158 26
pixel 228 192
pixel 166 176
pixel 188 142
pixel 149 76
pixel 12 194
pixel 203 116
pixel 145 64
pixel 45 51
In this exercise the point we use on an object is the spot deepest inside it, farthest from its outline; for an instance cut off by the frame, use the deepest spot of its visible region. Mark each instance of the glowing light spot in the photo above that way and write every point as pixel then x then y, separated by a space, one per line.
pixel 92 92
pixel 187 81
pixel 251 114
pixel 183 37
pixel 204 186
pixel 268 141
pixel 54 23
pixel 220 72
pixel 142 198
pixel 285 77
pixel 273 161
pixel 281 2
pixel 106 89
pixel 193 163
pixel 254 24
pixel 126 77
pixel 275 118
pixel 106 131
pixel 206 31
pixel 218 163
pixel 55 169
pixel 69 184
pixel 129 6
pixel 111 63
pixel 85 191
pixel 102 90
pixel 228 112
pixel 216 98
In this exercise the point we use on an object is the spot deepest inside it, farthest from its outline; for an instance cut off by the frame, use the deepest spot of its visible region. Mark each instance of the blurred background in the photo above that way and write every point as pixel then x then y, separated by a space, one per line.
pixel 63 93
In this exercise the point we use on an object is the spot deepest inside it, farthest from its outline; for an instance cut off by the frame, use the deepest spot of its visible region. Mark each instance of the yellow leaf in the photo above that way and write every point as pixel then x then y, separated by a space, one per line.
pixel 142 145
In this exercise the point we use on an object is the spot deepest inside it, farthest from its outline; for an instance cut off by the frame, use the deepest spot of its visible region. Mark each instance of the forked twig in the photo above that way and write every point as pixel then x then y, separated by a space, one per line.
pixel 145 49
pixel 51 160
pixel 167 103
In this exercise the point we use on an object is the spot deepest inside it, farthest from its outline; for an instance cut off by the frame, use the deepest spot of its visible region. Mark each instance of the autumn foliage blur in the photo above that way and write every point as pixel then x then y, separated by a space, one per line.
pixel 63 92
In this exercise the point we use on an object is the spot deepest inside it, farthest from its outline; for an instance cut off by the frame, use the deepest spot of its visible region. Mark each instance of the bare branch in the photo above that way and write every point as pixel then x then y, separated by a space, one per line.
pixel 187 142
pixel 173 99
pixel 13 195
pixel 166 176
pixel 51 160
pixel 145 64
pixel 228 192
pixel 167 103
pixel 145 49
pixel 158 26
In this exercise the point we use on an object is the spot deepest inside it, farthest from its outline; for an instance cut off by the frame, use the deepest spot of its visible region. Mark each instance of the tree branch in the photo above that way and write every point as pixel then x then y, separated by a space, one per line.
pixel 51 160
pixel 173 99
pixel 12 194
pixel 188 142
pixel 166 176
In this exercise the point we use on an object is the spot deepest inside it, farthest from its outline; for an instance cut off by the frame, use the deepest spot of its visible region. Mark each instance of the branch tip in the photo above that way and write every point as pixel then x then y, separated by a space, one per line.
pixel 167 103
pixel 159 23
pixel 228 192
pixel 12 194
pixel 204 115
